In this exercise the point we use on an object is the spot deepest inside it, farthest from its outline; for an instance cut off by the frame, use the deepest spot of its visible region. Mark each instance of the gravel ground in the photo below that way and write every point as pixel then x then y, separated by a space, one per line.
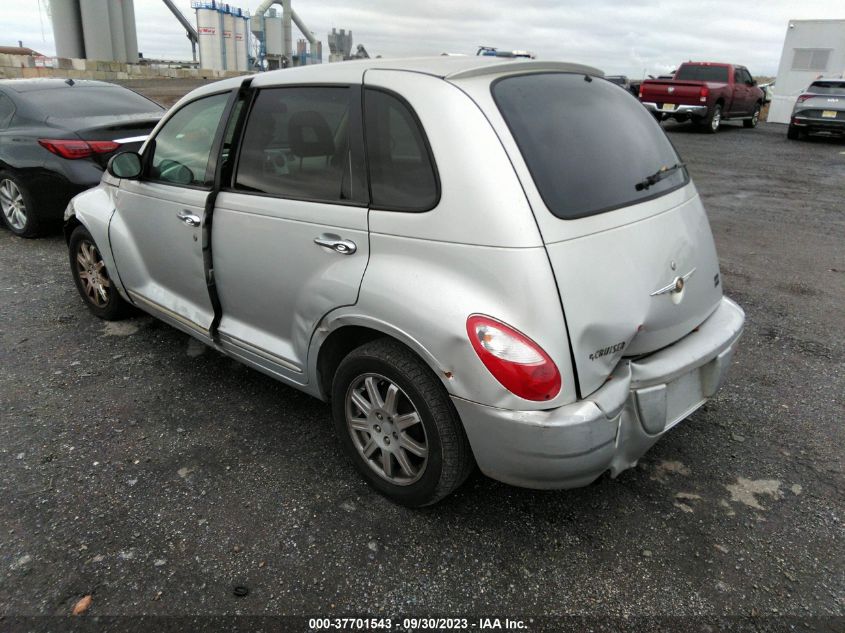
pixel 154 474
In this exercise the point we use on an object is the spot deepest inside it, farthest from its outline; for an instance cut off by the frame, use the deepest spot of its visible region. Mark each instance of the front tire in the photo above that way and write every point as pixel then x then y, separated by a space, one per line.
pixel 17 206
pixel 714 119
pixel 397 424
pixel 92 278
pixel 755 118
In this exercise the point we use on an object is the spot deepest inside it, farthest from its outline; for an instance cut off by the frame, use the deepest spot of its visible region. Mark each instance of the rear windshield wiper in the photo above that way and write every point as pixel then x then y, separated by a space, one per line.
pixel 657 176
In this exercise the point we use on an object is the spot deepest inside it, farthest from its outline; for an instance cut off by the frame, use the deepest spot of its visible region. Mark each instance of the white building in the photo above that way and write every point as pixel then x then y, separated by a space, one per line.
pixel 812 48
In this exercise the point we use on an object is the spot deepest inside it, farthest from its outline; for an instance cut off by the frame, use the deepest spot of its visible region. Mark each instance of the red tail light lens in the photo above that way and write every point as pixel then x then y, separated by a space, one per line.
pixel 641 92
pixel 74 149
pixel 515 360
pixel 703 93
pixel 802 98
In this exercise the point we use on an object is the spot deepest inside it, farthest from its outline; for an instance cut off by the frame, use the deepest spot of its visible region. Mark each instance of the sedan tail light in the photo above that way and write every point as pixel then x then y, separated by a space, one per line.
pixel 515 360
pixel 74 149
pixel 802 98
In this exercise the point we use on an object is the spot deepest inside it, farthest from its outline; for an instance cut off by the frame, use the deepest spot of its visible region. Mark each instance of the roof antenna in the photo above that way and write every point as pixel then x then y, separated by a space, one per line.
pixel 587 78
pixel 69 81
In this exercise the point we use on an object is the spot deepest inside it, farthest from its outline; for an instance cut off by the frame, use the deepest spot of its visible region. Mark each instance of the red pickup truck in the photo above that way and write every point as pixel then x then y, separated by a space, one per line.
pixel 705 93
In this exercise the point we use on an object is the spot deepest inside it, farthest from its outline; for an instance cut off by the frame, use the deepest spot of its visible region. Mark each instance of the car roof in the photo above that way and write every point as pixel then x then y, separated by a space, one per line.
pixel 445 67
pixel 28 85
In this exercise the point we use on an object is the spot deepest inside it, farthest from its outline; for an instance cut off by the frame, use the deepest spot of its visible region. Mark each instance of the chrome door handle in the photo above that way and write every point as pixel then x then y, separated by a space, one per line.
pixel 336 243
pixel 189 218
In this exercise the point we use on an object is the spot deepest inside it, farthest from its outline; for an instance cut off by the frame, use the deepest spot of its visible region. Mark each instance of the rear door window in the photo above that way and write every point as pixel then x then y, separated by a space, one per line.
pixel 402 172
pixel 589 146
pixel 688 72
pixel 296 144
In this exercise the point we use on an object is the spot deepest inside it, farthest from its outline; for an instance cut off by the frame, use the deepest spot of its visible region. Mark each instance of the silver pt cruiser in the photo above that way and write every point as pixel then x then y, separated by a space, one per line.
pixel 472 260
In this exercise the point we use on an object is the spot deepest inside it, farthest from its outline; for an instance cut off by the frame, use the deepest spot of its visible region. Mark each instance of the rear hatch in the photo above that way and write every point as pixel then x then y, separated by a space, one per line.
pixel 827 107
pixel 624 228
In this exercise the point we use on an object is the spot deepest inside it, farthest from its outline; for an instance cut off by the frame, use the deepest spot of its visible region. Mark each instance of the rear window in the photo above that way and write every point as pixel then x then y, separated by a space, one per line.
pixel 589 146
pixel 77 102
pixel 827 88
pixel 689 72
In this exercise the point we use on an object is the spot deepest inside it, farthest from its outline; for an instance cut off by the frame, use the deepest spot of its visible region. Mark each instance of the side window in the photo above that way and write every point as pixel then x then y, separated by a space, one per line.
pixel 738 78
pixel 183 145
pixel 296 144
pixel 7 110
pixel 747 76
pixel 402 173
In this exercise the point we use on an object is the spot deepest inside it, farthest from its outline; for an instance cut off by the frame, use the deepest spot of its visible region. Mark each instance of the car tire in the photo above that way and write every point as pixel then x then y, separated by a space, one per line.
pixel 714 119
pixel 92 278
pixel 397 424
pixel 755 118
pixel 17 206
pixel 793 133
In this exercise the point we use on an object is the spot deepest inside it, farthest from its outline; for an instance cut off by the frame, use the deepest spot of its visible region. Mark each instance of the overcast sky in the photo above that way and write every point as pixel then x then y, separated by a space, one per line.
pixel 630 36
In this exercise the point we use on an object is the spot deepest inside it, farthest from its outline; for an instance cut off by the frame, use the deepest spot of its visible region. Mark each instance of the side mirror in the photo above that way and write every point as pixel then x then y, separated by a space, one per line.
pixel 125 165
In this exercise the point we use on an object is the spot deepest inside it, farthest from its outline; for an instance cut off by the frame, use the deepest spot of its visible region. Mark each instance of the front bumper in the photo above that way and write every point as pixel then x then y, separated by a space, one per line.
pixel 679 109
pixel 571 446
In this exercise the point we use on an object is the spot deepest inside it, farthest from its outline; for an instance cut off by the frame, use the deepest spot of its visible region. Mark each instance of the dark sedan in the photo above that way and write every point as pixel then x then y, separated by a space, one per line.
pixel 56 137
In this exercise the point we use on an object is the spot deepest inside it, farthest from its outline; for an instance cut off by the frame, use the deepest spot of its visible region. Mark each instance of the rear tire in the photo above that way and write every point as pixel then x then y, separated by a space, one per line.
pixel 17 206
pixel 755 118
pixel 92 278
pixel 714 119
pixel 793 133
pixel 411 445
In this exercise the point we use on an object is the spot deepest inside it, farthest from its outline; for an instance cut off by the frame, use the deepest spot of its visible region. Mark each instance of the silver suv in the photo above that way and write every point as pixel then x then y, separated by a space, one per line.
pixel 474 261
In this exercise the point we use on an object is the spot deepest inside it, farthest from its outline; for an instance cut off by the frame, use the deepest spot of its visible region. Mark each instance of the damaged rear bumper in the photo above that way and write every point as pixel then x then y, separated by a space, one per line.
pixel 612 428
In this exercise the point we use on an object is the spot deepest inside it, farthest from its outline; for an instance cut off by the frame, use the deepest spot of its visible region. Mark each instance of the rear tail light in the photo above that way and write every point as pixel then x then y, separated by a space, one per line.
pixel 703 93
pixel 515 360
pixel 73 149
pixel 802 98
pixel 641 92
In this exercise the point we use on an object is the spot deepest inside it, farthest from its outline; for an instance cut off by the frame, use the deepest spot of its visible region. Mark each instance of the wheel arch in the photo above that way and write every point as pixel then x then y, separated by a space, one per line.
pixel 335 338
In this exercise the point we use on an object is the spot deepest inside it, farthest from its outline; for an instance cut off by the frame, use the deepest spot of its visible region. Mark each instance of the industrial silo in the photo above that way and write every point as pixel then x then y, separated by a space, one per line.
pixel 67 28
pixel 241 43
pixel 209 30
pixel 118 38
pixel 229 40
pixel 130 34
pixel 273 35
pixel 96 29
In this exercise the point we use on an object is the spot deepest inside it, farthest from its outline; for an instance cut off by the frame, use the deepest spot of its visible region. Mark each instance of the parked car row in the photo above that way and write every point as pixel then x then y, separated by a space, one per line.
pixel 405 240
pixel 56 137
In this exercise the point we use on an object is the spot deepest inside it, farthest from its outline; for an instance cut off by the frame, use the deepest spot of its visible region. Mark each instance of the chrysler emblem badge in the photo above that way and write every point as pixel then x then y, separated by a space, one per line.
pixel 676 287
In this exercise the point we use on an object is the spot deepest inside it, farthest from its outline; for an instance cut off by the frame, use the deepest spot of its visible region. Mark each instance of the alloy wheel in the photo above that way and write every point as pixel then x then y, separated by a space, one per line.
pixel 717 119
pixel 386 429
pixel 12 205
pixel 92 272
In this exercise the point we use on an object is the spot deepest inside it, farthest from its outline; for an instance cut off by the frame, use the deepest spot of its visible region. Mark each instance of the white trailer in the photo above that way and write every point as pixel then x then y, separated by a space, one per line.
pixel 811 49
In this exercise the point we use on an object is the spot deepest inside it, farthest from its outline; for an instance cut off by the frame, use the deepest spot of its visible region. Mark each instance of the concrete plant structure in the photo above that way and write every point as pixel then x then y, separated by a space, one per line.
pixel 95 29
pixel 273 30
pixel 223 36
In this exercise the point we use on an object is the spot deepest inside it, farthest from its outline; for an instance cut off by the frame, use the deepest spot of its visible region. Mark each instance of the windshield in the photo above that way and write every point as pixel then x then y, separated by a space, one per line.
pixel 691 72
pixel 79 102
pixel 587 144
pixel 827 88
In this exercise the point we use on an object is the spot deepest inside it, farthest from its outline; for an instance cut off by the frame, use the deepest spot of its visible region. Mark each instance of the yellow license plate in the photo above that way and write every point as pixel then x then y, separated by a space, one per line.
pixel 829 114
pixel 668 106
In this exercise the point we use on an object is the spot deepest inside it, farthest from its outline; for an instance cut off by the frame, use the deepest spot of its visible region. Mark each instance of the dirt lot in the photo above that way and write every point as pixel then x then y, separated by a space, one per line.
pixel 155 474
